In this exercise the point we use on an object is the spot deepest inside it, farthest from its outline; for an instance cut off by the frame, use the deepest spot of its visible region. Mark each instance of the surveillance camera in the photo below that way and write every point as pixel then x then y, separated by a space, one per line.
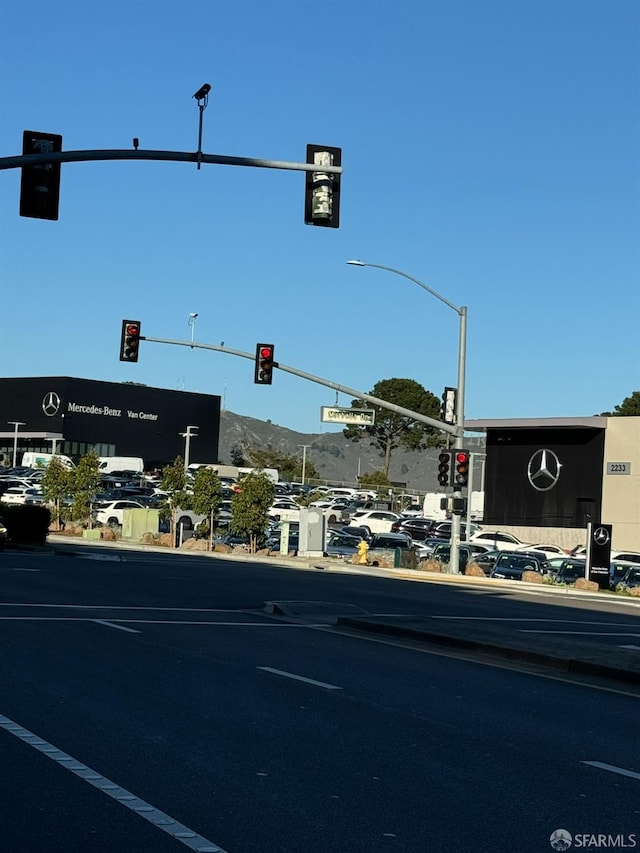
pixel 202 92
pixel 193 315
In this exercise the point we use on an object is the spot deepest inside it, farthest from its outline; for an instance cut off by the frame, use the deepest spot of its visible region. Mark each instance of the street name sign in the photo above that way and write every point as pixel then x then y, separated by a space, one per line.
pixel 336 415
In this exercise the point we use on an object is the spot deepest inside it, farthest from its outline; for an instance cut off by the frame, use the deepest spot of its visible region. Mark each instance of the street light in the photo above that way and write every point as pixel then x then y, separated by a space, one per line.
pixel 304 459
pixel 188 435
pixel 462 358
pixel 15 439
pixel 192 323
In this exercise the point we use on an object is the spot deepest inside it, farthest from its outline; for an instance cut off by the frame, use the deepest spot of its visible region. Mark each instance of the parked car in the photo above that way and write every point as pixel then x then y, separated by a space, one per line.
pixel 443 529
pixel 358 532
pixel 418 527
pixel 18 495
pixel 565 569
pixel 631 578
pixel 511 565
pixel 620 571
pixel 341 544
pixel 425 548
pixel 377 520
pixel 467 553
pixel 391 540
pixel 112 514
pixel 3 534
pixel 549 550
pixel 497 540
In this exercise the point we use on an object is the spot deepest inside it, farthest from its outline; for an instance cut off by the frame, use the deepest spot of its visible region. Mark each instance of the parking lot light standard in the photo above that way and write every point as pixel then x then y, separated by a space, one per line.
pixel 461 311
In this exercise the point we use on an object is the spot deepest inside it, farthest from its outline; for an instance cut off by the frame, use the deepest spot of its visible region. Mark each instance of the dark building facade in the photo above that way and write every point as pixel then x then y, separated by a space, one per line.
pixel 544 477
pixel 71 416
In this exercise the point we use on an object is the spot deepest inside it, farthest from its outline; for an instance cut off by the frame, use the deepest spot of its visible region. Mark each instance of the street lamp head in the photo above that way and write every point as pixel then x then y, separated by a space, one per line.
pixel 193 316
pixel 356 263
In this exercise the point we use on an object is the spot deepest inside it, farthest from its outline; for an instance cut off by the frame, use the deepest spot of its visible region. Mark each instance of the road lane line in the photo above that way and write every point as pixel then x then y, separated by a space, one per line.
pixel 583 633
pixel 140 807
pixel 113 625
pixel 635 648
pixel 299 678
pixel 613 769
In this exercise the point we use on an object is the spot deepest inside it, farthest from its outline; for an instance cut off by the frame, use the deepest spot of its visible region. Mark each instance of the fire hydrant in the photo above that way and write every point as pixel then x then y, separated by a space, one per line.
pixel 363 547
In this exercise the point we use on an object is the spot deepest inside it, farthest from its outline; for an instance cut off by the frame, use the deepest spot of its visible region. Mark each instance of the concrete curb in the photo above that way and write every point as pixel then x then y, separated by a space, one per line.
pixel 592 663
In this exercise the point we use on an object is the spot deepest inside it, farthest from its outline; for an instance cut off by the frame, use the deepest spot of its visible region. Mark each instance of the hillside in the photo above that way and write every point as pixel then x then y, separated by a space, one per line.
pixel 336 459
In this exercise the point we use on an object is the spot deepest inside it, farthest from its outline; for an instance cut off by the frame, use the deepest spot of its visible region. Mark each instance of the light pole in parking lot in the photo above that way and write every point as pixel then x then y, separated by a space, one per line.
pixel 188 435
pixel 16 424
pixel 304 460
pixel 461 311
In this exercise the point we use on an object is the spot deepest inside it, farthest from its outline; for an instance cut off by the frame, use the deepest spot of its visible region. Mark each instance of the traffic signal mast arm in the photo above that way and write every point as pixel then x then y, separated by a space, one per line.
pixel 181 156
pixel 383 404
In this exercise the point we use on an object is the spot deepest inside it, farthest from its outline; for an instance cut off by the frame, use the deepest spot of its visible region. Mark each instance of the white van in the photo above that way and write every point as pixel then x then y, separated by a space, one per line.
pixel 108 464
pixel 31 459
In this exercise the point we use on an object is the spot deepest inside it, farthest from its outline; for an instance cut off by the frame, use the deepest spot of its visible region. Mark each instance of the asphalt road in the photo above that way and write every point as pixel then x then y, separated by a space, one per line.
pixel 150 705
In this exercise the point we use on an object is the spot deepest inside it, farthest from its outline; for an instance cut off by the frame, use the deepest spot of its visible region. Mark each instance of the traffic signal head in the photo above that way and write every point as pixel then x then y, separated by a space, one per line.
pixel 40 185
pixel 130 340
pixel 322 189
pixel 444 468
pixel 461 475
pixel 448 407
pixel 264 364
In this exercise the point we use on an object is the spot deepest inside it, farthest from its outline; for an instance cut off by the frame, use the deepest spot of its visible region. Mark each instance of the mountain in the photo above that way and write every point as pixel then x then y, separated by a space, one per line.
pixel 337 459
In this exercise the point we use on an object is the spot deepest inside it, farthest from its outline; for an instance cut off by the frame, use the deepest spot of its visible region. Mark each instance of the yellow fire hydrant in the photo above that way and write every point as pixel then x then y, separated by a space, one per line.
pixel 363 547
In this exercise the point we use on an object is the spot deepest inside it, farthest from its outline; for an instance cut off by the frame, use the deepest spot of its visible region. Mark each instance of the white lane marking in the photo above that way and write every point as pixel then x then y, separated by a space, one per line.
pixel 16 569
pixel 635 648
pixel 583 633
pixel 299 678
pixel 155 622
pixel 524 619
pixel 113 625
pixel 613 769
pixel 140 807
pixel 125 607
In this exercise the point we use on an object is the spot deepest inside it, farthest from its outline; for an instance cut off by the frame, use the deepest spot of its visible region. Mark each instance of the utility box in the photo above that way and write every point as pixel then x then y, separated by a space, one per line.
pixel 312 532
pixel 137 522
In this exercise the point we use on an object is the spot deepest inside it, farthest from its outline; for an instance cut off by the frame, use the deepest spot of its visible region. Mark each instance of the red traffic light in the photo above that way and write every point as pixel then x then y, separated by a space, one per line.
pixel 461 477
pixel 462 457
pixel 263 374
pixel 130 340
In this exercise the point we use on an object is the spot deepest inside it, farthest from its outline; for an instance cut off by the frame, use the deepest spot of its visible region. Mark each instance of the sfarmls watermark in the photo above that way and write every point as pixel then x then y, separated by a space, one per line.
pixel 562 839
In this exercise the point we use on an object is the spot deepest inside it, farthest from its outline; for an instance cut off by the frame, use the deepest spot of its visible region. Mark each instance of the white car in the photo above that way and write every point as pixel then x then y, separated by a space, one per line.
pixel 19 495
pixel 549 550
pixel 498 540
pixel 285 510
pixel 112 513
pixel 376 520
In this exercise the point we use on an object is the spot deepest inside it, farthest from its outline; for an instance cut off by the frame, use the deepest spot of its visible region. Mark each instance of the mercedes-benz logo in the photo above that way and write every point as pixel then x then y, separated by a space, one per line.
pixel 601 535
pixel 50 404
pixel 543 470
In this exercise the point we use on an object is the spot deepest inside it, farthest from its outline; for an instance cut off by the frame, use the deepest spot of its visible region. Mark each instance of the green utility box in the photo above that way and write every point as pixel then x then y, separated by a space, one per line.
pixel 137 522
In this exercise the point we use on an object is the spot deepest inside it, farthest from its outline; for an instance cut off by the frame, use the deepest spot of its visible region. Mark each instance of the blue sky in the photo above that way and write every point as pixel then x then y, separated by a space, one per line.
pixel 490 149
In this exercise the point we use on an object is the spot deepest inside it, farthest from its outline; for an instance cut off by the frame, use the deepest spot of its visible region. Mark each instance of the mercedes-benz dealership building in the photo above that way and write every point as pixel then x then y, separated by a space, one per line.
pixel 60 414
pixel 549 477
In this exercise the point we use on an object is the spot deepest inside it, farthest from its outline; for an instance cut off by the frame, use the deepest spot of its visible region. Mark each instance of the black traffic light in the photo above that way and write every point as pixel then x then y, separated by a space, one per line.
pixel 461 474
pixel 448 407
pixel 40 185
pixel 322 189
pixel 264 364
pixel 130 340
pixel 444 468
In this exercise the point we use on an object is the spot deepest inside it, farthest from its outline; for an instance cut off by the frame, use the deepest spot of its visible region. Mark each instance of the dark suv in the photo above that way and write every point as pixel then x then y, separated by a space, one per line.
pixel 417 527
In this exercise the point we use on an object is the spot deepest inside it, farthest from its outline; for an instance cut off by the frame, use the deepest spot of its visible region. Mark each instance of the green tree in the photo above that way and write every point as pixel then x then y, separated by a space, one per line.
pixel 207 493
pixel 392 430
pixel 85 480
pixel 375 478
pixel 56 485
pixel 629 408
pixel 249 507
pixel 174 483
pixel 288 465
pixel 237 455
